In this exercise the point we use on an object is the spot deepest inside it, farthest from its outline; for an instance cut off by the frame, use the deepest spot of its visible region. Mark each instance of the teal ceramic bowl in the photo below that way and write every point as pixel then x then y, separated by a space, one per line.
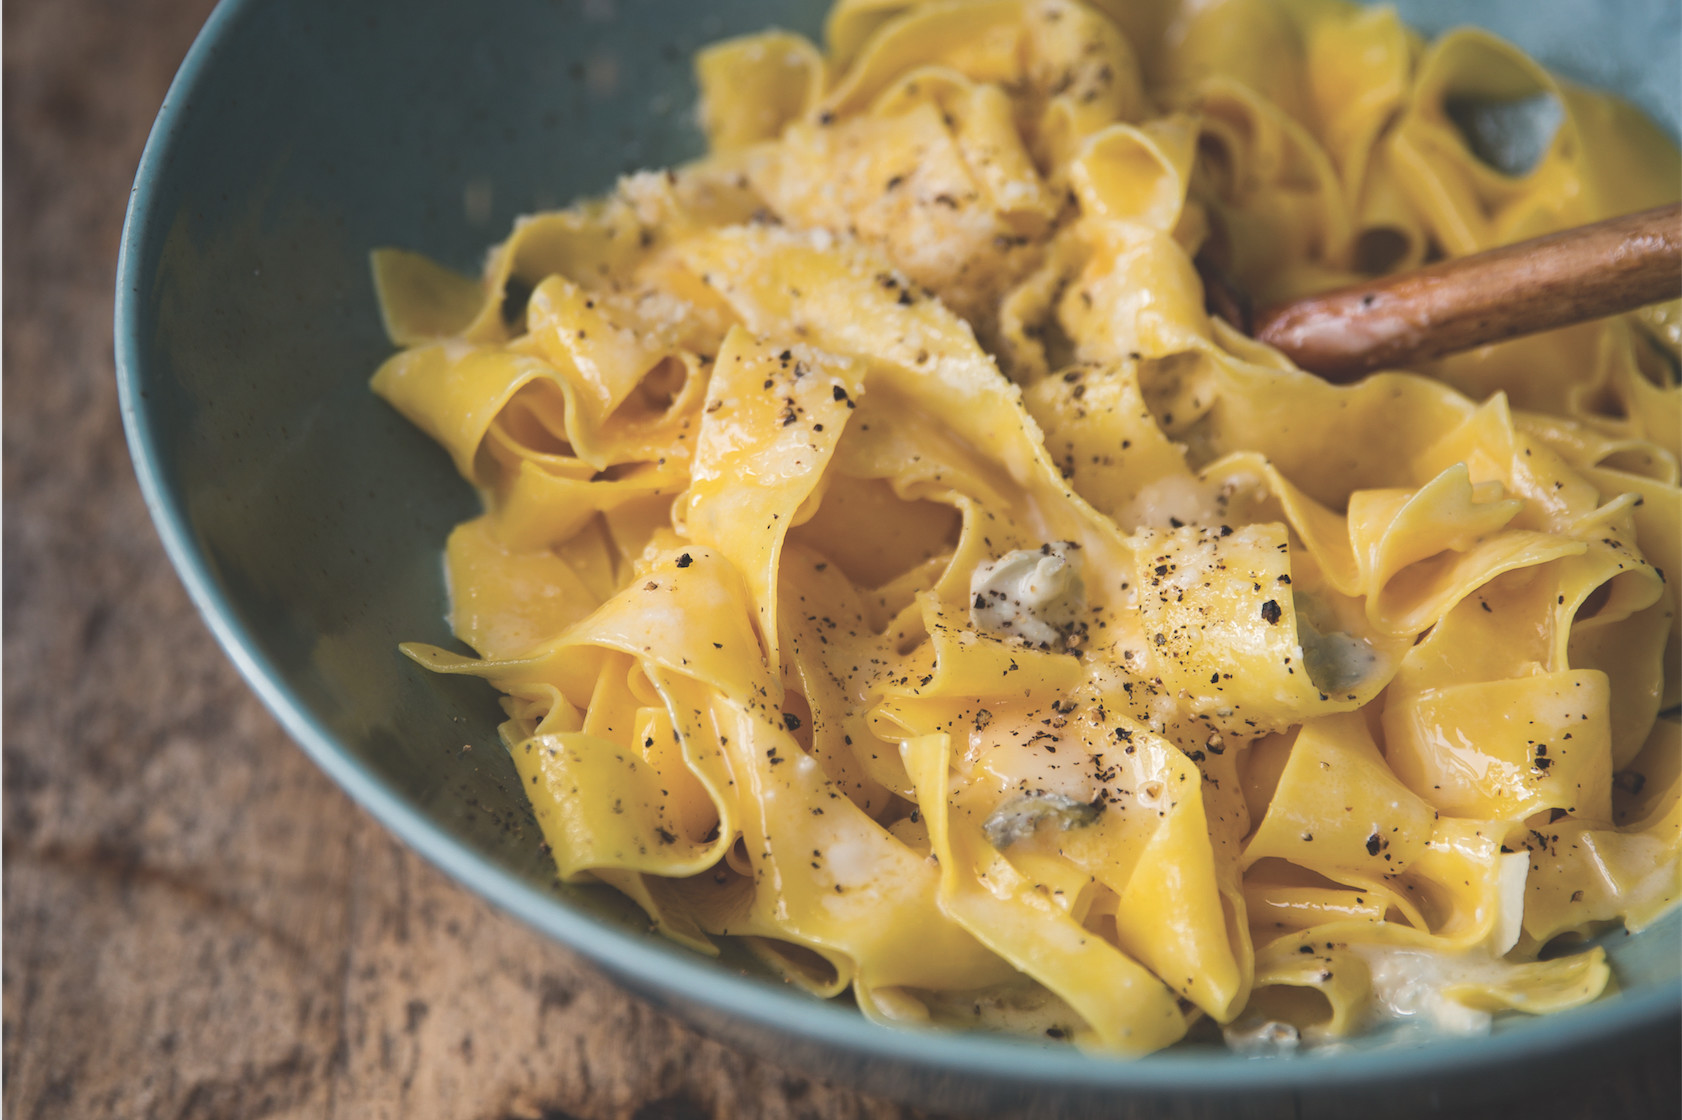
pixel 306 519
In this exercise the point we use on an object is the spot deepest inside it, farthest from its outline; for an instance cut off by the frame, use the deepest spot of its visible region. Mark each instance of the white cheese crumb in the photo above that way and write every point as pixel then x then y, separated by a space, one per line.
pixel 1032 594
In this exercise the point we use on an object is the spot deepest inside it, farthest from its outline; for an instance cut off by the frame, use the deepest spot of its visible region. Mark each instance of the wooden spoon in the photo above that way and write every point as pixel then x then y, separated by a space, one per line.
pixel 1400 320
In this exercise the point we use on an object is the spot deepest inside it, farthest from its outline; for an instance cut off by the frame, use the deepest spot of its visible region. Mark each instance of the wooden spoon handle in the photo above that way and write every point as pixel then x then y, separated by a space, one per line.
pixel 1553 281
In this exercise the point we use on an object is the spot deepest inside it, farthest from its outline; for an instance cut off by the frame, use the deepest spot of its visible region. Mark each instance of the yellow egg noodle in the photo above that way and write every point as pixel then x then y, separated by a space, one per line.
pixel 888 562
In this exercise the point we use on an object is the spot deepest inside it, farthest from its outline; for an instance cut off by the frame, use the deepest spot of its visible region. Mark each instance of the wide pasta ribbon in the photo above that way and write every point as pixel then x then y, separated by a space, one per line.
pixel 888 563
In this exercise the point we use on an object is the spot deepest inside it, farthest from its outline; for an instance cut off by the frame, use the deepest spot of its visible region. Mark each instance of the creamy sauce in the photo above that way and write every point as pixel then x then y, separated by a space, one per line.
pixel 1016 1009
pixel 1013 749
pixel 853 862
pixel 1173 497
pixel 1410 985
pixel 1267 1036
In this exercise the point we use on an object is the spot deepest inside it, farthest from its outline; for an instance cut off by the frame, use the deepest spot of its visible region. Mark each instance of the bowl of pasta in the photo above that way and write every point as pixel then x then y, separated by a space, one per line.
pixel 897 626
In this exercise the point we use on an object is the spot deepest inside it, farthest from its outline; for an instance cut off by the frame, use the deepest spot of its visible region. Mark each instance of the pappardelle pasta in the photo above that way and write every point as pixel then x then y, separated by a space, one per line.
pixel 887 562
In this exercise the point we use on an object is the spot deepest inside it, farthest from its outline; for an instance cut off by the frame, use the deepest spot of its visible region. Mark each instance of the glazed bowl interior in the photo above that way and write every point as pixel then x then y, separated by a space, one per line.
pixel 306 518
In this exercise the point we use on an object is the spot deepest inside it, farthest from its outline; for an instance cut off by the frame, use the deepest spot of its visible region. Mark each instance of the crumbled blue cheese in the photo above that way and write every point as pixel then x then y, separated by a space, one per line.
pixel 1035 595
pixel 1023 815
pixel 1336 662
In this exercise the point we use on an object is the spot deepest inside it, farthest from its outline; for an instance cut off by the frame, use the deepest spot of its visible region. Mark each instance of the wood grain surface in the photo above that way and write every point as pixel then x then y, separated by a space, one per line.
pixel 197 923
pixel 1404 319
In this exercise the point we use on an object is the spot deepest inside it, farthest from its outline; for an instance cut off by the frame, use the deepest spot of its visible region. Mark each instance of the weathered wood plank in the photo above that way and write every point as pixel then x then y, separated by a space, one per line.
pixel 198 924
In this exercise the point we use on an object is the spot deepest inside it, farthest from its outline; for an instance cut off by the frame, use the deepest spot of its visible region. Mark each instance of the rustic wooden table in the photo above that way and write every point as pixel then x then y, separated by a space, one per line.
pixel 198 924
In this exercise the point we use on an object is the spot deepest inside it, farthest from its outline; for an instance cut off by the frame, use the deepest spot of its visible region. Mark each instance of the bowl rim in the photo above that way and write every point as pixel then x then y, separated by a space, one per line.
pixel 648 963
